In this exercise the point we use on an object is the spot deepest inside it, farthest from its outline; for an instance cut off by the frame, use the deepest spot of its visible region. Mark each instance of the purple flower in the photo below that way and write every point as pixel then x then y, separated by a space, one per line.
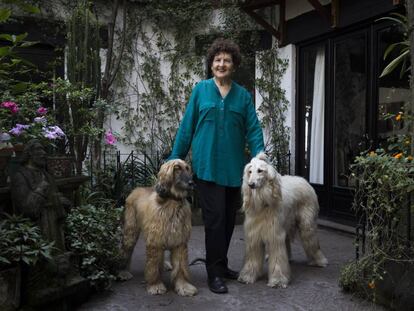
pixel 40 120
pixel 57 130
pixel 49 134
pixel 110 138
pixel 18 129
pixel 12 106
pixel 53 132
pixel 41 111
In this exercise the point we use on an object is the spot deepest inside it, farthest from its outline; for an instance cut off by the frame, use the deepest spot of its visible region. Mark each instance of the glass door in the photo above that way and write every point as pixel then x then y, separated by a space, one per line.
pixel 349 105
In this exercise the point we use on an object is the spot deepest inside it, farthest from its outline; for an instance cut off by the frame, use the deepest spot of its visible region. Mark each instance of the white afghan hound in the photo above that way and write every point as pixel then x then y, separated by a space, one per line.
pixel 276 208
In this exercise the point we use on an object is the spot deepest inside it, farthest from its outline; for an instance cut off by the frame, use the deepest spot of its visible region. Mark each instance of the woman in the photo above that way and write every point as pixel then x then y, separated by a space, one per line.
pixel 220 117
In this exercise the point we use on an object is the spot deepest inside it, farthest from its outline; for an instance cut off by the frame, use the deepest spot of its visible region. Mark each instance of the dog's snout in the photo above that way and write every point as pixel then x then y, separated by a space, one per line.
pixel 252 185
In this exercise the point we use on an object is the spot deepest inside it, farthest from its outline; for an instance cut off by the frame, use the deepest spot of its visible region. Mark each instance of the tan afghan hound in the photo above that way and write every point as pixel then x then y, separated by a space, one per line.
pixel 276 209
pixel 163 215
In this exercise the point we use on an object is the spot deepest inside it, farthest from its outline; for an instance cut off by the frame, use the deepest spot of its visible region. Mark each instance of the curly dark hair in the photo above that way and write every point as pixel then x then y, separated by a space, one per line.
pixel 224 45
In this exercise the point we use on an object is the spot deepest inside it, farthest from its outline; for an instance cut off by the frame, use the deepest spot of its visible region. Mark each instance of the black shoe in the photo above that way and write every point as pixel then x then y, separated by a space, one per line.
pixel 231 274
pixel 217 285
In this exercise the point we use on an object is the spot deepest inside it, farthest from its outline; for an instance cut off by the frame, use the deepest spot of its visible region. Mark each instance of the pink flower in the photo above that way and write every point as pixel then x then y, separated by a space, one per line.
pixel 12 106
pixel 41 111
pixel 110 138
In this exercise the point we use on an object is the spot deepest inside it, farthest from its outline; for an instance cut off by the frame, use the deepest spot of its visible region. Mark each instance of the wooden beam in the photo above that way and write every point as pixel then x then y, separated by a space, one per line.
pixel 250 6
pixel 264 23
pixel 335 13
pixel 259 4
pixel 282 22
pixel 321 10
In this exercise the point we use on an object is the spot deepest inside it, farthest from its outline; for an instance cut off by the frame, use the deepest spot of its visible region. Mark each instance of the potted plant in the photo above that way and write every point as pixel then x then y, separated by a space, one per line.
pixel 21 243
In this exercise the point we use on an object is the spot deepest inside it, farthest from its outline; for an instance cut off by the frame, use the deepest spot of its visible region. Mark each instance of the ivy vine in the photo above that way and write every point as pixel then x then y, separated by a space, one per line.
pixel 153 97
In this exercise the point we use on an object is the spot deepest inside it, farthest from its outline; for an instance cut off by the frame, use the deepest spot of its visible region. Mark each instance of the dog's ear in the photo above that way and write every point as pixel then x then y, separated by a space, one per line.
pixel 246 169
pixel 271 171
pixel 165 177
pixel 262 156
pixel 274 181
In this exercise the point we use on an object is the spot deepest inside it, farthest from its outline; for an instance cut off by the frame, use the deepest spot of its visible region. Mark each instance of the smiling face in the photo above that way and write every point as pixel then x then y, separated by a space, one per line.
pixel 222 66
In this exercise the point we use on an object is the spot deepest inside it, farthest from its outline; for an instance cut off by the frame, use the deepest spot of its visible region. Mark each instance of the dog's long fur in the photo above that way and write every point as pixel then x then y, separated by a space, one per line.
pixel 276 208
pixel 163 215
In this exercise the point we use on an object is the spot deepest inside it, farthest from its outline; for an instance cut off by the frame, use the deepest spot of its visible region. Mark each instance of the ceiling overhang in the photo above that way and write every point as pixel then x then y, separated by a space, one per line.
pixel 251 7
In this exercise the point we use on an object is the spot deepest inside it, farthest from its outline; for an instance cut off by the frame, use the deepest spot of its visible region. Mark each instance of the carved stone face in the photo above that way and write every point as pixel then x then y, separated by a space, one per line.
pixel 38 156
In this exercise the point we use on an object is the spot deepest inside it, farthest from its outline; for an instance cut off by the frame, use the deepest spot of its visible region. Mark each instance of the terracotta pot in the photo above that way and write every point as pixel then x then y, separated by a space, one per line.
pixel 10 284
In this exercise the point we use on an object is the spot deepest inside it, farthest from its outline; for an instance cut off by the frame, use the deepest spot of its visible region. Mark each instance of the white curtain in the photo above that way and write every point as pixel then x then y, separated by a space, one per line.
pixel 318 121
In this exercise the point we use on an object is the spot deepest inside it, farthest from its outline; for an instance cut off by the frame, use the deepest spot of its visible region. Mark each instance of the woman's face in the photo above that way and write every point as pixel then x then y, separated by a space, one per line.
pixel 222 66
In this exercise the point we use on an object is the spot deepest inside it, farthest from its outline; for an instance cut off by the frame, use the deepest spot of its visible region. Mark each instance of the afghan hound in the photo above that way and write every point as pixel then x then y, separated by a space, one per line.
pixel 163 215
pixel 276 209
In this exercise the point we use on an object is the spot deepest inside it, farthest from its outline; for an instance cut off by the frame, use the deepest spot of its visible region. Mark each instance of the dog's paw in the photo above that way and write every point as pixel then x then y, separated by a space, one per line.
pixel 281 282
pixel 246 278
pixel 185 289
pixel 124 275
pixel 323 262
pixel 156 289
pixel 319 260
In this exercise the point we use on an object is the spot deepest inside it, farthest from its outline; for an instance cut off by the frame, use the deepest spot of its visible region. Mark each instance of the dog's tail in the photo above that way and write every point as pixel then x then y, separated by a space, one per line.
pixel 130 233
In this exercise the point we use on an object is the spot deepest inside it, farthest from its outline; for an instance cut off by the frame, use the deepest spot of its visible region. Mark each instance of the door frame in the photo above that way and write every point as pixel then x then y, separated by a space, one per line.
pixel 336 201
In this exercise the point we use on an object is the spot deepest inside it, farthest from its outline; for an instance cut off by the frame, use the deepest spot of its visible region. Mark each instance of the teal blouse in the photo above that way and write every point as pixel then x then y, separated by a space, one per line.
pixel 217 130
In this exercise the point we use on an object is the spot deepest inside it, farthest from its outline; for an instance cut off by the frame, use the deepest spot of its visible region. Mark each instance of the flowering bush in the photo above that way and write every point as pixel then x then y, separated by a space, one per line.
pixel 385 182
pixel 110 138
pixel 20 125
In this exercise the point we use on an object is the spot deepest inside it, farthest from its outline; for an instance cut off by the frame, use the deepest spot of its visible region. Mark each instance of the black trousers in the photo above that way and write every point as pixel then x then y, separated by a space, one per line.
pixel 219 205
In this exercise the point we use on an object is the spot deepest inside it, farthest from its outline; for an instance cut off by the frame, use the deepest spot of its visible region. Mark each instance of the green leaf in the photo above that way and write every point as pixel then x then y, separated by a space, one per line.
pixel 4 15
pixel 6 37
pixel 20 87
pixel 4 51
pixel 30 8
pixel 390 48
pixel 393 64
pixel 28 43
pixel 20 38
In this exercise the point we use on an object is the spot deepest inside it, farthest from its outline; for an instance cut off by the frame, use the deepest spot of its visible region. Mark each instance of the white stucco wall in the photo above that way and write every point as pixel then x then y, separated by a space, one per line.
pixel 288 84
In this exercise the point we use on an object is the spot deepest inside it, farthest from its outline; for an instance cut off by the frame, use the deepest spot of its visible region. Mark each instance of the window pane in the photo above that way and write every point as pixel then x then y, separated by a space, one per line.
pixel 314 86
pixel 393 89
pixel 350 105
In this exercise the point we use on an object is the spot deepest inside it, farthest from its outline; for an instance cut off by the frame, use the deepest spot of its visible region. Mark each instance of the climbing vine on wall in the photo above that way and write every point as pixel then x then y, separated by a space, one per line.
pixel 164 70
pixel 274 107
pixel 154 95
